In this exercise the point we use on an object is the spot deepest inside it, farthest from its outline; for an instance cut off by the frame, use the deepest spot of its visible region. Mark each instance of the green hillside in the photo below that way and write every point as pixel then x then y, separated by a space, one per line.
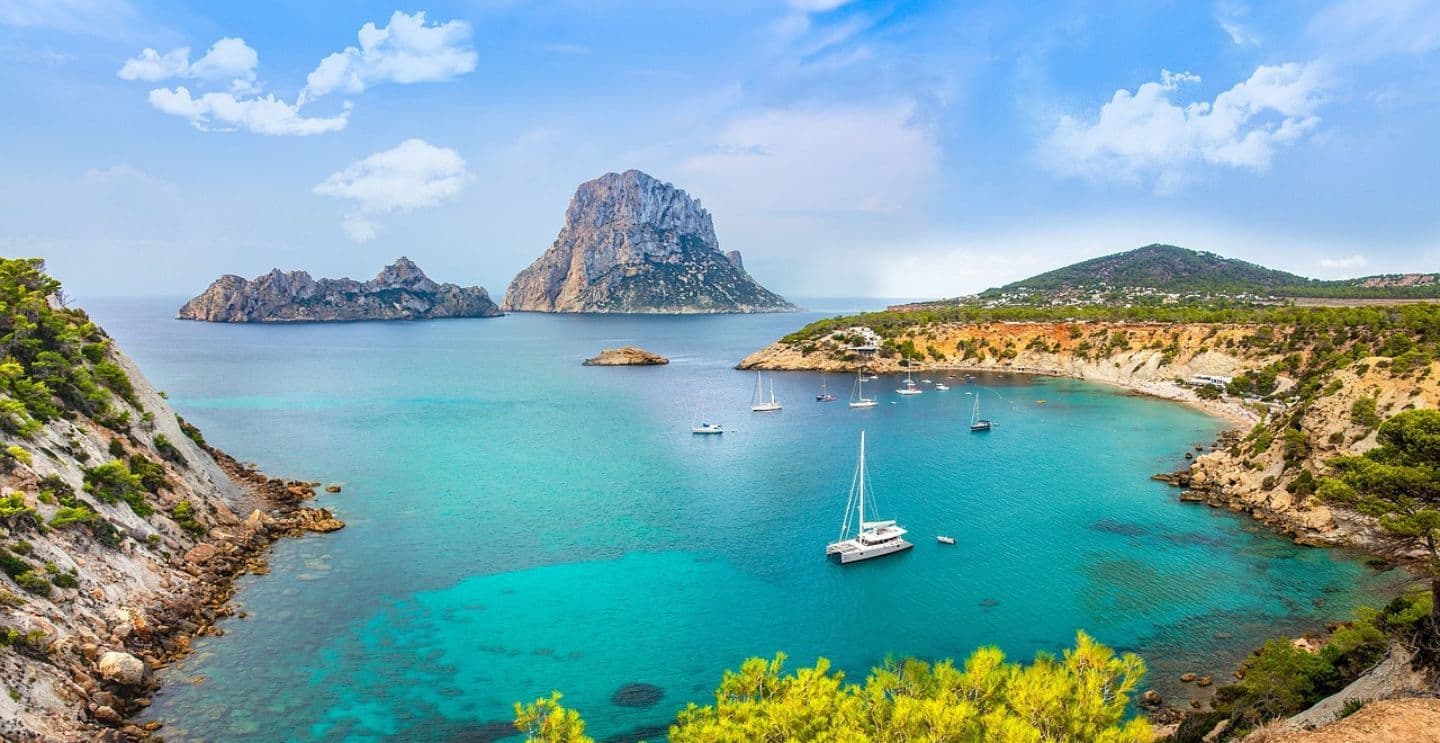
pixel 1176 270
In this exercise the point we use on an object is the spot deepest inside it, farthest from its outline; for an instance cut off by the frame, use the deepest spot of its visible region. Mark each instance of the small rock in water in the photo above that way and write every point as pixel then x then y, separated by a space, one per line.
pixel 332 488
pixel 1187 678
pixel 1204 681
pixel 989 603
pixel 637 695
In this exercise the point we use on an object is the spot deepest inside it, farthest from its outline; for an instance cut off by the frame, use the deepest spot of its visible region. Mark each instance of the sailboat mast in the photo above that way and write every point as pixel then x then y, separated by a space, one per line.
pixel 862 481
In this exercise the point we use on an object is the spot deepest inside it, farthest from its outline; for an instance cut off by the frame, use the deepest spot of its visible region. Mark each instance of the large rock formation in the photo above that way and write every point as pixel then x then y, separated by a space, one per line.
pixel 400 292
pixel 635 244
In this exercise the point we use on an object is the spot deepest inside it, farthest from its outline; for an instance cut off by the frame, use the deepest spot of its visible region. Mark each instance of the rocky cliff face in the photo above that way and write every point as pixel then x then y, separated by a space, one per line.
pixel 400 292
pixel 632 243
pixel 120 530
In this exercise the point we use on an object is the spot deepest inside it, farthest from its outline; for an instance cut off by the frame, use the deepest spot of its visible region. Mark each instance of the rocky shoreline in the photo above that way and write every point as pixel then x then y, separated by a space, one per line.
pixel 147 638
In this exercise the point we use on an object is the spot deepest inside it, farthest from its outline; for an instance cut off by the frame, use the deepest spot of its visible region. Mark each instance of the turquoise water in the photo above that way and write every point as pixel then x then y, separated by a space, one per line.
pixel 519 523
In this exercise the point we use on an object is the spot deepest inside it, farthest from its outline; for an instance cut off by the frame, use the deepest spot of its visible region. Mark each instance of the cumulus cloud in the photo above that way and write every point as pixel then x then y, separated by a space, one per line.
pixel 405 51
pixel 819 158
pixel 228 59
pixel 413 175
pixel 1353 261
pixel 1147 134
pixel 227 112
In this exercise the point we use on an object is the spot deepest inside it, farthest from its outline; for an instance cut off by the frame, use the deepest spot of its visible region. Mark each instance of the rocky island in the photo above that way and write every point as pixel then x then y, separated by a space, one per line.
pixel 627 356
pixel 399 292
pixel 123 530
pixel 634 244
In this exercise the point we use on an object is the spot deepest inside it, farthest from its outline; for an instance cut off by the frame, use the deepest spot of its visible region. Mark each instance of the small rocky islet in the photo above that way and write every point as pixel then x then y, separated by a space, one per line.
pixel 626 356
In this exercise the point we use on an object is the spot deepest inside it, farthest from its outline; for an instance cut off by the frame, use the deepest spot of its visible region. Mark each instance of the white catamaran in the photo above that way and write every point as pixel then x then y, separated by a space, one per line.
pixel 758 403
pixel 699 425
pixel 861 539
pixel 857 395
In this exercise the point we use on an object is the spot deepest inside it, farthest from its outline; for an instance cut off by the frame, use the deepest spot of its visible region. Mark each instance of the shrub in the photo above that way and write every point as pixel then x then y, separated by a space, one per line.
pixel 18 454
pixel 1280 679
pixel 184 515
pixel 1363 413
pixel 113 481
pixel 33 582
pixel 190 431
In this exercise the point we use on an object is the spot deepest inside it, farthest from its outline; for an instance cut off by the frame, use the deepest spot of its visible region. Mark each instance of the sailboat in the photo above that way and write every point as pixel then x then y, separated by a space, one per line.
pixel 824 395
pixel 909 388
pixel 861 539
pixel 698 425
pixel 857 396
pixel 758 404
pixel 977 423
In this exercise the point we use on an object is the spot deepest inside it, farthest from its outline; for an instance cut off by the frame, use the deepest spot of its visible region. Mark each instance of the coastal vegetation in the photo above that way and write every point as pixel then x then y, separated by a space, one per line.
pixel 1082 695
pixel 1398 483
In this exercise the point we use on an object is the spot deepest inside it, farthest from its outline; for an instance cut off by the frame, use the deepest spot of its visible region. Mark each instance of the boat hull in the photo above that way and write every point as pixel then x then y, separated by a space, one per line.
pixel 979 426
pixel 871 551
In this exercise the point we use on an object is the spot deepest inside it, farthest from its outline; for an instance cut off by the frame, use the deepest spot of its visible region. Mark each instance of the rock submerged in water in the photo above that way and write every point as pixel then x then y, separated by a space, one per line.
pixel 627 356
pixel 400 292
pixel 637 695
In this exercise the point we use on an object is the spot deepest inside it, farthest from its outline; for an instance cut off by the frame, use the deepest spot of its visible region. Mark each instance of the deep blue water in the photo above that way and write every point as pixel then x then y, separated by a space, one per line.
pixel 519 523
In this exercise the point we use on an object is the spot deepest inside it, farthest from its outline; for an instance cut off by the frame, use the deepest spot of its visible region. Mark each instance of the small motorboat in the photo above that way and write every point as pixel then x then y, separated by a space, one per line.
pixel 942 386
pixel 945 540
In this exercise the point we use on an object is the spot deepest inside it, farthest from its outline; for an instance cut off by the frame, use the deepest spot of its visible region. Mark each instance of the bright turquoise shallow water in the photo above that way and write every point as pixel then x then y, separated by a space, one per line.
pixel 518 523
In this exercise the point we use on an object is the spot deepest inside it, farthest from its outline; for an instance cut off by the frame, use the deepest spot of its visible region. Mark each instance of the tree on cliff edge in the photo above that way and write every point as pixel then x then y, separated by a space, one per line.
pixel 1398 483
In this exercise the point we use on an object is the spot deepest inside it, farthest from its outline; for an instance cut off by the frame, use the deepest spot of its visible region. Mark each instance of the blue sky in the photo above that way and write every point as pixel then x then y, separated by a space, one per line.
pixel 846 148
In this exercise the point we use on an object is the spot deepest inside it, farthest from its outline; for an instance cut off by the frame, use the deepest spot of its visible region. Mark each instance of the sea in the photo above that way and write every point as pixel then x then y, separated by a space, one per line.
pixel 518 524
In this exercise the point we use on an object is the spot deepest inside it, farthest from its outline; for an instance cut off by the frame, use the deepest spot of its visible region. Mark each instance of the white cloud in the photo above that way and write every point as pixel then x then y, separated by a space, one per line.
pixel 1231 15
pixel 818 158
pixel 101 17
pixel 816 6
pixel 124 174
pixel 1374 28
pixel 412 175
pixel 229 58
pixel 1353 261
pixel 1146 133
pixel 226 111
pixel 405 51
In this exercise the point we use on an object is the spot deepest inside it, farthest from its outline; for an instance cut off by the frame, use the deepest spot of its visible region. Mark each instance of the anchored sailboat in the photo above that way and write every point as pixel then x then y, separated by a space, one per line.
pixel 824 395
pixel 758 403
pixel 909 388
pixel 857 395
pixel 698 424
pixel 977 423
pixel 861 539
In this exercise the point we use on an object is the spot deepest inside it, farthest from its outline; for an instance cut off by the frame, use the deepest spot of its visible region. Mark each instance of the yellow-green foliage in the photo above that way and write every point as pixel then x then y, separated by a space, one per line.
pixel 1081 696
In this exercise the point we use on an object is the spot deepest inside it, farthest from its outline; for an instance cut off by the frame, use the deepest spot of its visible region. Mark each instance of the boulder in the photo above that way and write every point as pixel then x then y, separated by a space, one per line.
pixel 122 668
pixel 201 553
pixel 107 715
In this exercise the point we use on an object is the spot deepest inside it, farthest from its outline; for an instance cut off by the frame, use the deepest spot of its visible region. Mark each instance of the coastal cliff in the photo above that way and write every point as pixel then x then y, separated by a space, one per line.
pixel 1307 385
pixel 122 529
pixel 634 244
pixel 401 291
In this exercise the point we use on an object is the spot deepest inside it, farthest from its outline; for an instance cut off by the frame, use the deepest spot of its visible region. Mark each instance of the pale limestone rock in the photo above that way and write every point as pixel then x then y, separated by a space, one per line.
pixel 631 243
pixel 122 668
